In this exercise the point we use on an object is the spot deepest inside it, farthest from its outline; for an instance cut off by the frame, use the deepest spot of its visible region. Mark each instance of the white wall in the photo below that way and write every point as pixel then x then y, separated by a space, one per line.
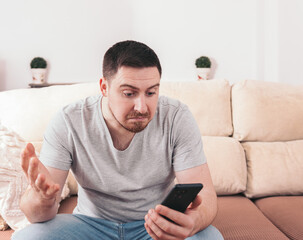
pixel 249 39
pixel 181 31
pixel 291 41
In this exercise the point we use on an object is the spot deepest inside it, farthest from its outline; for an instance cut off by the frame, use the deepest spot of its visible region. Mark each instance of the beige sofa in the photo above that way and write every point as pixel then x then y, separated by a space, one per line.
pixel 253 140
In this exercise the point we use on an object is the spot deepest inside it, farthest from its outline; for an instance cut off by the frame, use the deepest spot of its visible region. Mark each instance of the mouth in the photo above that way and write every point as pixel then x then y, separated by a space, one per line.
pixel 138 118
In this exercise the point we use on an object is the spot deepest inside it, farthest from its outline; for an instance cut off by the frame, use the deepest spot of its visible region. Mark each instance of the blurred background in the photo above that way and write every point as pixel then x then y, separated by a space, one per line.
pixel 245 39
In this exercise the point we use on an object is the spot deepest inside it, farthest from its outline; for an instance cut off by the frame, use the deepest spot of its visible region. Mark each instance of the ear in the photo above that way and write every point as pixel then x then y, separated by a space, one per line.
pixel 103 86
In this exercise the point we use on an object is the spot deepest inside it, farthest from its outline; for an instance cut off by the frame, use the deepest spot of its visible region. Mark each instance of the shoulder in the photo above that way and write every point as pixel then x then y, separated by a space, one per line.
pixel 169 108
pixel 166 103
pixel 85 104
pixel 75 111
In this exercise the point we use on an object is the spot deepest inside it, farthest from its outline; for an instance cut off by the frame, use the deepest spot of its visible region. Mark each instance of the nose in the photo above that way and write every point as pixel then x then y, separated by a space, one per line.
pixel 140 104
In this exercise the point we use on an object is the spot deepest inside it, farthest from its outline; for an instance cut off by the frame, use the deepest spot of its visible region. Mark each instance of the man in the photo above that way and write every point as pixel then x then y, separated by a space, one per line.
pixel 125 149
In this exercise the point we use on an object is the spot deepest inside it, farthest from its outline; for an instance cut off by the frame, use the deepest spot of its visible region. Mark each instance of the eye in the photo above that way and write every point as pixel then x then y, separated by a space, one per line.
pixel 150 93
pixel 128 94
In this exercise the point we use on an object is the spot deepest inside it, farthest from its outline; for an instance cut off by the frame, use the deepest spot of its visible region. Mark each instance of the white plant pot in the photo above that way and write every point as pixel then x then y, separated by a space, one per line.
pixel 203 73
pixel 39 75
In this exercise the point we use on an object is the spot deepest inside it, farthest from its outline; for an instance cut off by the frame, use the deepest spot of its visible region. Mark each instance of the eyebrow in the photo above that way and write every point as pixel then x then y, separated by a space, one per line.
pixel 133 87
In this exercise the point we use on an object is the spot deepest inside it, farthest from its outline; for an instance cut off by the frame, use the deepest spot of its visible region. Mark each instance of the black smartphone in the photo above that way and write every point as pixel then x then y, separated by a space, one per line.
pixel 181 196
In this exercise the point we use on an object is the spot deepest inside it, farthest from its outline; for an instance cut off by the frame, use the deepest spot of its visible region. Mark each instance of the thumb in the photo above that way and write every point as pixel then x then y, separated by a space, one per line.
pixel 197 201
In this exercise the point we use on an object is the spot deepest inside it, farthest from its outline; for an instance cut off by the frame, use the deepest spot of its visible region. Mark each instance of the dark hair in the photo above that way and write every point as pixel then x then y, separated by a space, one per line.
pixel 131 54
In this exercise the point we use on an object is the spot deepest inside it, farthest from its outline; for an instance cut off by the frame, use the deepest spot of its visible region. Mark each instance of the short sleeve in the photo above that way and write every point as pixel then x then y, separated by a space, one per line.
pixel 56 150
pixel 187 142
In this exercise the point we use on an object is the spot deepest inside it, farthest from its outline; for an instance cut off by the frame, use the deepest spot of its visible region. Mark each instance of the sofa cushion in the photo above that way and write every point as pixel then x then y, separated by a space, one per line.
pixel 13 181
pixel 6 235
pixel 68 205
pixel 226 160
pixel 238 218
pixel 209 101
pixel 285 212
pixel 274 168
pixel 28 111
pixel 267 111
pixel 3 224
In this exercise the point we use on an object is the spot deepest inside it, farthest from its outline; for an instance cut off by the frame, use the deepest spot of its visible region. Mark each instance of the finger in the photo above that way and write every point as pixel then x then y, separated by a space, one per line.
pixel 24 162
pixel 158 228
pixel 30 150
pixel 33 170
pixel 26 154
pixel 52 191
pixel 150 232
pixel 173 215
pixel 48 190
pixel 197 201
pixel 41 183
pixel 165 225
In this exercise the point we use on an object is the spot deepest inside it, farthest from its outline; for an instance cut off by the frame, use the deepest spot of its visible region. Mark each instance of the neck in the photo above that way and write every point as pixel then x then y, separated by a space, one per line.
pixel 120 136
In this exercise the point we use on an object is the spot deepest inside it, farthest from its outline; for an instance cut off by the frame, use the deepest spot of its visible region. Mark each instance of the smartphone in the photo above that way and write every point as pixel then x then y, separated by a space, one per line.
pixel 181 196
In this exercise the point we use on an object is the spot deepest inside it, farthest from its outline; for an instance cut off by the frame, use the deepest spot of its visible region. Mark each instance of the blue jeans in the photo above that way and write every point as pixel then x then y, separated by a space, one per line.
pixel 76 226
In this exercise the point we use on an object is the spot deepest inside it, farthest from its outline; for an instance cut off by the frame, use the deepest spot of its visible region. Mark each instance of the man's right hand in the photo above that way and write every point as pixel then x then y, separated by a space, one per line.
pixel 38 176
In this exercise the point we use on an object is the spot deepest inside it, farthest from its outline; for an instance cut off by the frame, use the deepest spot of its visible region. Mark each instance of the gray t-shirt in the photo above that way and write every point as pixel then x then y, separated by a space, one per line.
pixel 122 186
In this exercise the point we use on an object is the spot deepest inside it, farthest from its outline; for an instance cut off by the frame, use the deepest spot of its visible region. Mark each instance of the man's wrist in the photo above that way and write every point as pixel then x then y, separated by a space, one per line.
pixel 199 220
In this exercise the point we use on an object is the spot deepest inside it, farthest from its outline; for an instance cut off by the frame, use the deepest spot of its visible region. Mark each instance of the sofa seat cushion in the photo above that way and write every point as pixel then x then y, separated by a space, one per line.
pixel 267 111
pixel 274 168
pixel 226 160
pixel 68 205
pixel 286 212
pixel 6 235
pixel 238 218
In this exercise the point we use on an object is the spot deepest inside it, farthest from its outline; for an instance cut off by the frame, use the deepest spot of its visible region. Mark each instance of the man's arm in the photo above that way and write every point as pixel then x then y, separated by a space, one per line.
pixel 40 200
pixel 197 217
pixel 207 210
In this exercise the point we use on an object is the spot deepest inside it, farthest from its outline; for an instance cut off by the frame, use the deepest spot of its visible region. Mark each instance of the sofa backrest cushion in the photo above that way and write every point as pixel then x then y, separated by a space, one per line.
pixel 28 111
pixel 209 101
pixel 267 111
pixel 226 160
pixel 274 168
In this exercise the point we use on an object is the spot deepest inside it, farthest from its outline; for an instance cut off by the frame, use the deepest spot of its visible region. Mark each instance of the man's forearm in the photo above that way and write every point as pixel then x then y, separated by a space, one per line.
pixel 37 209
pixel 207 211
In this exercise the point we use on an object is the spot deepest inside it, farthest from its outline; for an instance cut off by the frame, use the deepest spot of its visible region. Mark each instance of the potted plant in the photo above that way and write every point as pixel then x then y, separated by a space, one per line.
pixel 38 68
pixel 203 65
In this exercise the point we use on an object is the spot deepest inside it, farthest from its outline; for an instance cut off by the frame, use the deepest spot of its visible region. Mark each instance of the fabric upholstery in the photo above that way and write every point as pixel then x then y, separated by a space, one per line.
pixel 286 212
pixel 6 235
pixel 72 184
pixel 13 182
pixel 68 205
pixel 226 160
pixel 3 224
pixel 238 219
pixel 209 102
pixel 274 168
pixel 28 111
pixel 267 111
